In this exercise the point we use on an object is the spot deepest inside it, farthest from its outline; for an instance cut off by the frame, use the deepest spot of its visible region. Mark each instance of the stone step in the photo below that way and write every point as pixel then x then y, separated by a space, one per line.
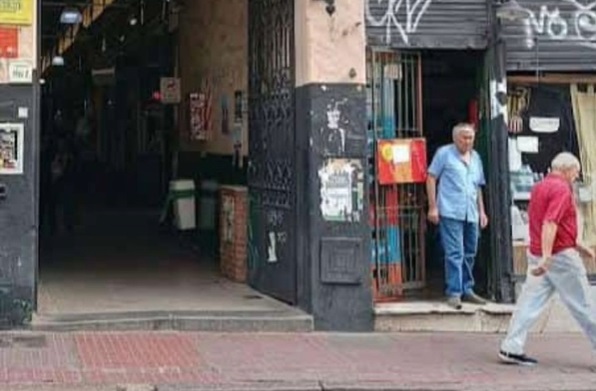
pixel 491 318
pixel 437 316
pixel 292 320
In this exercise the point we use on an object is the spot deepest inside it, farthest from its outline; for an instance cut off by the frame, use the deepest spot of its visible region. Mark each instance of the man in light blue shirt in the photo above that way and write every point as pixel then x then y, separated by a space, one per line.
pixel 456 205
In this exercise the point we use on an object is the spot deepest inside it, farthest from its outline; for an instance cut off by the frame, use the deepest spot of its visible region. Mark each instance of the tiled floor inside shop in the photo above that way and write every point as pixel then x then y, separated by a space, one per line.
pixel 124 262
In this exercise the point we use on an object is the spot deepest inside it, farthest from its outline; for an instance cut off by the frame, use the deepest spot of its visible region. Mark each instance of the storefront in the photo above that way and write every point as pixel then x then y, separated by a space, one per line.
pixel 429 67
pixel 551 105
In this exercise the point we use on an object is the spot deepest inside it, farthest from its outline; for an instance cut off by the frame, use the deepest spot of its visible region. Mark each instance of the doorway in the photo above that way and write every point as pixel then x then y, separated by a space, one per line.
pixel 414 96
pixel 112 147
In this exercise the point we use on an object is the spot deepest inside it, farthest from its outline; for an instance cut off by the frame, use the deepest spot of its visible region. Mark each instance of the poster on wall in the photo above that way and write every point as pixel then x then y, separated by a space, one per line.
pixel 342 190
pixel 401 161
pixel 17 47
pixel 169 88
pixel 12 140
pixel 9 42
pixel 229 212
pixel 200 115
pixel 17 12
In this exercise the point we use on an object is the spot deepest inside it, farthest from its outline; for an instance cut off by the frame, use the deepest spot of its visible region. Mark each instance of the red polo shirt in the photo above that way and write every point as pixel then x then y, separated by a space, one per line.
pixel 552 200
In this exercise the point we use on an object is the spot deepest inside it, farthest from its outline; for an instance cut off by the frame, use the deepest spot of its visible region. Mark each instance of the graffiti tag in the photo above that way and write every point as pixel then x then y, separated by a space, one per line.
pixel 578 25
pixel 401 15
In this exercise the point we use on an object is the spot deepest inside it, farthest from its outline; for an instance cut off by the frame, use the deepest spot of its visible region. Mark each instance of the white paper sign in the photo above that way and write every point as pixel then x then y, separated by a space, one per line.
pixel 401 154
pixel 12 140
pixel 544 124
pixel 20 72
pixel 527 144
pixel 515 158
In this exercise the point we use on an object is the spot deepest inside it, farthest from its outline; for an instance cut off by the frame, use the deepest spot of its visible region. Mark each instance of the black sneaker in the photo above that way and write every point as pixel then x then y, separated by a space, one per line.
pixel 517 359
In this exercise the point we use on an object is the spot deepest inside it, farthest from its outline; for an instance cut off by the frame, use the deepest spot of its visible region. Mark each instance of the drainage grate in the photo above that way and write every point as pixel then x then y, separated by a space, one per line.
pixel 23 341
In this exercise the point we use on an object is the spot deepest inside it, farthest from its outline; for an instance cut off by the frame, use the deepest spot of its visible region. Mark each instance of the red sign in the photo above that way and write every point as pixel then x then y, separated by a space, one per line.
pixel 9 42
pixel 401 161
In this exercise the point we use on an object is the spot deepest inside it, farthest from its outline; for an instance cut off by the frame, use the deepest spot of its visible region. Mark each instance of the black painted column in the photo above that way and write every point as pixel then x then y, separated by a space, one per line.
pixel 334 280
pixel 19 124
pixel 499 197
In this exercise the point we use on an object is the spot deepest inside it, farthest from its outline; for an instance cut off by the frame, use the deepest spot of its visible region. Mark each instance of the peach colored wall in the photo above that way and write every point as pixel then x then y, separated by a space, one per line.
pixel 214 46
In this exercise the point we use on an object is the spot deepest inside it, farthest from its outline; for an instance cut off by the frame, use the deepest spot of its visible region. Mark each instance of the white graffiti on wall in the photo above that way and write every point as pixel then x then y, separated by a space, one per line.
pixel 401 15
pixel 333 133
pixel 498 99
pixel 578 25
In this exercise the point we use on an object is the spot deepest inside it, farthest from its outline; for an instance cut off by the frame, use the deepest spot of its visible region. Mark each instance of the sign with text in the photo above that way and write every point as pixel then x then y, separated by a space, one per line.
pixel 16 12
pixel 401 161
pixel 20 72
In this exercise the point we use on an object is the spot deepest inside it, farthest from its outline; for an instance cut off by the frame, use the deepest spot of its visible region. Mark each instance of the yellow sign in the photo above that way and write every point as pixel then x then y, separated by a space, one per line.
pixel 16 12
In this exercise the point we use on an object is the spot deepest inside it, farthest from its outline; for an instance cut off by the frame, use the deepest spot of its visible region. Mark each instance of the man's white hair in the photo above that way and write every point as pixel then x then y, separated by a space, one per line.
pixel 565 161
pixel 463 127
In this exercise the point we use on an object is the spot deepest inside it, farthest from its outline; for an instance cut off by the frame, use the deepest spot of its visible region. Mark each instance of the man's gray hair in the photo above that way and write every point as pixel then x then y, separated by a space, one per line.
pixel 463 127
pixel 565 161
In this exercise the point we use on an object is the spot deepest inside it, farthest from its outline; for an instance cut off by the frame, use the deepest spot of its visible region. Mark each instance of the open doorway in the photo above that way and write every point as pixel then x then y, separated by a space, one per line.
pixel 414 96
pixel 452 85
pixel 110 244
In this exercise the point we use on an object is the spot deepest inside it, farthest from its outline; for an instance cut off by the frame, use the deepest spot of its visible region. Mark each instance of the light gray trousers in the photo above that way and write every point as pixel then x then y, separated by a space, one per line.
pixel 566 276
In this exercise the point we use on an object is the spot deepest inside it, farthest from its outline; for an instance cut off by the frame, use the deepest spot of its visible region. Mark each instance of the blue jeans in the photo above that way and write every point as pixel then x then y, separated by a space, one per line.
pixel 460 244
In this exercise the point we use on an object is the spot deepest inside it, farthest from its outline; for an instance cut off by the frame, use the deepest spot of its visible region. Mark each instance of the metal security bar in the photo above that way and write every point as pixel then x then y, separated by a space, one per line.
pixel 397 212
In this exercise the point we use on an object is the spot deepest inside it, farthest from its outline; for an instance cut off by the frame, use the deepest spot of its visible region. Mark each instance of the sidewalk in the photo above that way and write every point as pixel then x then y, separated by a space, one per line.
pixel 300 362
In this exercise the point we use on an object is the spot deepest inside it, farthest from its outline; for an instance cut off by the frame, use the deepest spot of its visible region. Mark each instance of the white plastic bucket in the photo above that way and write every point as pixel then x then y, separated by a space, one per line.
pixel 183 193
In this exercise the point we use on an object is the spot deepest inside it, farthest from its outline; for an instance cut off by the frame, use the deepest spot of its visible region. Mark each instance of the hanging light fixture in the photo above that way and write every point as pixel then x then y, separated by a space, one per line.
pixel 71 15
pixel 133 20
pixel 58 61
pixel 511 10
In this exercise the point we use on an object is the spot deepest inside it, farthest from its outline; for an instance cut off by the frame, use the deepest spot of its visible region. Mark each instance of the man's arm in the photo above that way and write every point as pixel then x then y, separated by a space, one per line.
pixel 481 209
pixel 434 173
pixel 431 191
pixel 549 232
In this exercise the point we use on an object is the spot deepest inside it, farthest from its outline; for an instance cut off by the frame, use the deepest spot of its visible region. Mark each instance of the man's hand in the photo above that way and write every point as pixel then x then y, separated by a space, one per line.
pixel 433 215
pixel 483 220
pixel 586 251
pixel 542 268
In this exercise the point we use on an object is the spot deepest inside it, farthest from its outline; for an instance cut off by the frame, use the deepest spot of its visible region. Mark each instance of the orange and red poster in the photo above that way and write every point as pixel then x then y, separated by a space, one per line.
pixel 401 161
pixel 9 42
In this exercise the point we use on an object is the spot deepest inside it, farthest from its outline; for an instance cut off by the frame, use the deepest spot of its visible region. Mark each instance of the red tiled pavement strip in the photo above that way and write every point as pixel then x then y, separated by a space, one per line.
pixel 313 361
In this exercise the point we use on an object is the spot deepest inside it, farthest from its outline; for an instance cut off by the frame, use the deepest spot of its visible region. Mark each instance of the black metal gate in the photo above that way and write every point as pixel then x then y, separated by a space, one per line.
pixel 272 167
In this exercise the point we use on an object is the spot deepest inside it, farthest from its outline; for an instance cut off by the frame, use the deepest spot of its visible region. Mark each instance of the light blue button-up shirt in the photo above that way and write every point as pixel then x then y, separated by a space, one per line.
pixel 457 192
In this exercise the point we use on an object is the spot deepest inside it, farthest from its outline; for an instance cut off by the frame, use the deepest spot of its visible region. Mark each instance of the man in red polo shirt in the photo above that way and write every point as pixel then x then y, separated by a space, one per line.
pixel 554 262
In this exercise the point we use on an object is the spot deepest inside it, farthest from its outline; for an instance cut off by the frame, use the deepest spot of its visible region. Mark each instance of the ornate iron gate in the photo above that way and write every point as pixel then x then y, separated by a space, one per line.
pixel 272 167
pixel 397 215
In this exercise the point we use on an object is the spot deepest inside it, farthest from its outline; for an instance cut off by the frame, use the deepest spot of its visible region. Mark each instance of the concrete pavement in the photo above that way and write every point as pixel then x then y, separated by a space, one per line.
pixel 175 361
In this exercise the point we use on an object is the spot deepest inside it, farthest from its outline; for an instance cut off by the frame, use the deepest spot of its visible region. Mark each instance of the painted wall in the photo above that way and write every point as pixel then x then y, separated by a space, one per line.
pixel 337 55
pixel 331 126
pixel 214 47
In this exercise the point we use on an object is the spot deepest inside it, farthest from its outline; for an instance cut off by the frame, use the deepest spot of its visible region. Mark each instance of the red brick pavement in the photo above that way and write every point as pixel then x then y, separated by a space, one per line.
pixel 298 361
